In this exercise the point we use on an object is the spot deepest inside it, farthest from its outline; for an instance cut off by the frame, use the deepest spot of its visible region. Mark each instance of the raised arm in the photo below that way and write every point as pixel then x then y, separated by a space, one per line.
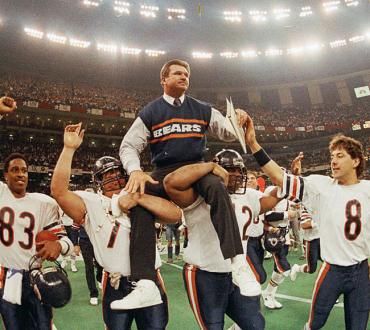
pixel 71 203
pixel 178 184
pixel 268 166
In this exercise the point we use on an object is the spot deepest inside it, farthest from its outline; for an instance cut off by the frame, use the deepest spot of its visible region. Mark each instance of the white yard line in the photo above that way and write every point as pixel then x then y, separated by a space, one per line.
pixel 283 296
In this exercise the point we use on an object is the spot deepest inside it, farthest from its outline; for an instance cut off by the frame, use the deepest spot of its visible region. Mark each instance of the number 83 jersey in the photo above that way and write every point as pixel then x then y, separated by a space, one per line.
pixel 20 220
pixel 343 215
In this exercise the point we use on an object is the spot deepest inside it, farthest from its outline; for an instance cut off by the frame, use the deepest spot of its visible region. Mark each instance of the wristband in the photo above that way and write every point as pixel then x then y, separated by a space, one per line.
pixel 261 157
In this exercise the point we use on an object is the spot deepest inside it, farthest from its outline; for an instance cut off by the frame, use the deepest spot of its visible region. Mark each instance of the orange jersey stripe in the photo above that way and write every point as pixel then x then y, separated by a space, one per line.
pixel 177 136
pixel 179 120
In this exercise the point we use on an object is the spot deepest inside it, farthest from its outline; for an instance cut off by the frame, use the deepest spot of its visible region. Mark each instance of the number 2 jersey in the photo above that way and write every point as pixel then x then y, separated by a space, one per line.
pixel 109 235
pixel 20 221
pixel 342 213
pixel 203 248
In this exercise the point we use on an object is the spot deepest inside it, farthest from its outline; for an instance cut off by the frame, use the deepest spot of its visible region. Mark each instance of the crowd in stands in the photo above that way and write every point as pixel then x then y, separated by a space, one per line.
pixel 42 151
pixel 124 100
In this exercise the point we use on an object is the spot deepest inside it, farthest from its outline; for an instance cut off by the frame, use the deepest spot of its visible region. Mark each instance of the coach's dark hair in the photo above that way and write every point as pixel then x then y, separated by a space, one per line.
pixel 166 67
pixel 12 156
pixel 353 147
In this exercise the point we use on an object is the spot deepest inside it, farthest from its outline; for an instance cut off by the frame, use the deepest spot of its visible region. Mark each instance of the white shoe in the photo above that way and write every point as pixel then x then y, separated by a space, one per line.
pixel 294 272
pixel 268 255
pixel 277 304
pixel 270 302
pixel 246 281
pixel 74 268
pixel 144 294
pixel 94 301
pixel 63 263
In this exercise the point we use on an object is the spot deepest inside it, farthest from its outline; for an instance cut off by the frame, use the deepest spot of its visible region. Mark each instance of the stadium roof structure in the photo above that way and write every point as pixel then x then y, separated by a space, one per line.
pixel 90 37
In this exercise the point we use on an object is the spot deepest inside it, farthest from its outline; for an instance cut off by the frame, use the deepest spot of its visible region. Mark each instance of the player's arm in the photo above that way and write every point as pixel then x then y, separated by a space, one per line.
pixel 71 203
pixel 50 250
pixel 269 167
pixel 131 147
pixel 178 184
pixel 269 201
pixel 162 209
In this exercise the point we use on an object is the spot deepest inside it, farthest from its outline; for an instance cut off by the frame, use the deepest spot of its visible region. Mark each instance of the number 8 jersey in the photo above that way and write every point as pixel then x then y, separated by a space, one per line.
pixel 343 215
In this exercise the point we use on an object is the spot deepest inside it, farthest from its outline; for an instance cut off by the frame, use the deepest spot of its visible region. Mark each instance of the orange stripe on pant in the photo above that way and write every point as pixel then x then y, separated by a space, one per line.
pixel 191 288
pixel 277 263
pixel 320 278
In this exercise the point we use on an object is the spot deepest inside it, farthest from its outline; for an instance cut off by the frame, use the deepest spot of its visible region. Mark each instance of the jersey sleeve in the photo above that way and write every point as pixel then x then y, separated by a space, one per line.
pixel 302 189
pixel 53 223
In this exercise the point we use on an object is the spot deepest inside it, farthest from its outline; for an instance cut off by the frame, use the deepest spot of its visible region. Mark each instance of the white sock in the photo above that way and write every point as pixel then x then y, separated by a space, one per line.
pixel 275 281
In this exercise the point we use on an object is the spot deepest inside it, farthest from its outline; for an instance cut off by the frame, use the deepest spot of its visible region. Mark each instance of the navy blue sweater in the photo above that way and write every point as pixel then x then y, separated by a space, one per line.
pixel 177 134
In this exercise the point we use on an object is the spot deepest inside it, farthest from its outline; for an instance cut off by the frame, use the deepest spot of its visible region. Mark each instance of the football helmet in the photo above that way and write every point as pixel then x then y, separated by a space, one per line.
pixel 50 283
pixel 274 241
pixel 231 160
pixel 105 164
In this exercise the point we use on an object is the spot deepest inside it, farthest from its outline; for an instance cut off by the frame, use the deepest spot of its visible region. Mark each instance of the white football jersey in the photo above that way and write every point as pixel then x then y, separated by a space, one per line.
pixel 109 235
pixel 343 215
pixel 21 219
pixel 247 209
pixel 203 248
pixel 312 233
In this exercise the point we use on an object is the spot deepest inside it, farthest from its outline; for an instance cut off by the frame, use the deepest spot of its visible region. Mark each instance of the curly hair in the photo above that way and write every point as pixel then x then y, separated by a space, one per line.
pixel 353 147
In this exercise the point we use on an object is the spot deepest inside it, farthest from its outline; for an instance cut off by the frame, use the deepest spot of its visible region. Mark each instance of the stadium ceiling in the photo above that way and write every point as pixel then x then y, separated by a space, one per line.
pixel 202 30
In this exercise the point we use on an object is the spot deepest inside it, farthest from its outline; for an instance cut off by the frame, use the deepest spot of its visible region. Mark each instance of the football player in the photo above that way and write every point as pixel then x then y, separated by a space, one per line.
pixel 22 216
pixel 278 220
pixel 311 238
pixel 104 216
pixel 341 203
pixel 207 276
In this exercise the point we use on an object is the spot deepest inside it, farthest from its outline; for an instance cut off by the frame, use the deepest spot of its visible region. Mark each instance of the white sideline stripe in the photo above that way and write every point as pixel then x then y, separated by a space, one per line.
pixel 308 301
pixel 284 296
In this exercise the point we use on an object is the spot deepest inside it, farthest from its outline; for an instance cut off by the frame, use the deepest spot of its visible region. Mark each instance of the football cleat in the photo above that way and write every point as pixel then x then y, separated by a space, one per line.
pixel 94 301
pixel 294 272
pixel 270 302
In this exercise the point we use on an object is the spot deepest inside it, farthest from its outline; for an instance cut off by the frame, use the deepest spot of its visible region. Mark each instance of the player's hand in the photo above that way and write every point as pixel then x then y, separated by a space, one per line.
pixel 250 133
pixel 242 117
pixel 127 202
pixel 222 173
pixel 274 230
pixel 73 136
pixel 7 105
pixel 296 165
pixel 50 250
pixel 76 250
pixel 137 182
